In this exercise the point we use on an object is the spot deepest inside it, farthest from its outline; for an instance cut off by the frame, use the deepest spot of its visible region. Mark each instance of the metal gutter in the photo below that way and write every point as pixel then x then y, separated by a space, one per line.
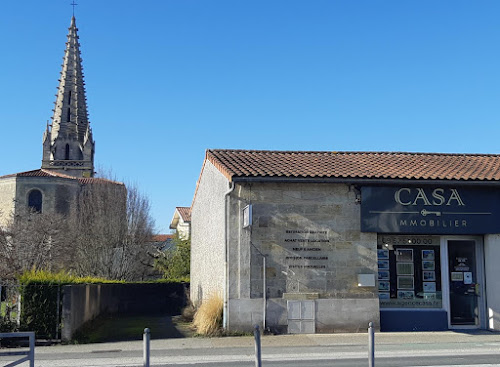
pixel 367 181
pixel 225 308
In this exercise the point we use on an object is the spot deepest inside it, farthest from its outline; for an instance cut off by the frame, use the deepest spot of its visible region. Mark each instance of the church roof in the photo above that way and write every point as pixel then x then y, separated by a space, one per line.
pixel 244 164
pixel 70 113
pixel 38 173
pixel 49 173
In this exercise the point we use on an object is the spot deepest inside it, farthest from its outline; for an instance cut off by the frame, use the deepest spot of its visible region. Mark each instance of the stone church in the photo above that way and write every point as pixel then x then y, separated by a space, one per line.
pixel 68 149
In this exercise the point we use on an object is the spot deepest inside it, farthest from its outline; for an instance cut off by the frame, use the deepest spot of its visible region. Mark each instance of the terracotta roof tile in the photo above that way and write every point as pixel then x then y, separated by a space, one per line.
pixel 38 173
pixel 94 180
pixel 48 173
pixel 161 237
pixel 371 165
pixel 185 213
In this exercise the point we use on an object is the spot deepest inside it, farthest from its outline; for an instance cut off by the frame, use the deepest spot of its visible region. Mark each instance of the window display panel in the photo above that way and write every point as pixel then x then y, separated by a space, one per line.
pixel 409 274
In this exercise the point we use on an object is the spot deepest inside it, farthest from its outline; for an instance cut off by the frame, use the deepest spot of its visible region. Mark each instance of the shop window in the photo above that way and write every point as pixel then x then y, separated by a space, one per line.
pixel 409 272
pixel 35 201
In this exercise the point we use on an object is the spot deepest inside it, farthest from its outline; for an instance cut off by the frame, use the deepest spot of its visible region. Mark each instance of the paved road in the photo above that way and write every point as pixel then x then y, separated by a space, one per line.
pixel 448 349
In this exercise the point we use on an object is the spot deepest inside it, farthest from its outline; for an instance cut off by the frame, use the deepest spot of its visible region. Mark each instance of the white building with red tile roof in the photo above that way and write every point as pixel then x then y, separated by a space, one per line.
pixel 181 222
pixel 330 241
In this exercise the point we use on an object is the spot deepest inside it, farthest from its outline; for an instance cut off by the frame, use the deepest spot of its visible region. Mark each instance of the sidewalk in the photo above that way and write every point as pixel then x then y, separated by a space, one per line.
pixel 407 339
pixel 450 348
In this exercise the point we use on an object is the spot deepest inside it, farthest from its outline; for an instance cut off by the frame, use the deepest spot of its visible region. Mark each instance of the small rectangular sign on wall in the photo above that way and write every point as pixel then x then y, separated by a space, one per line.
pixel 366 280
pixel 247 216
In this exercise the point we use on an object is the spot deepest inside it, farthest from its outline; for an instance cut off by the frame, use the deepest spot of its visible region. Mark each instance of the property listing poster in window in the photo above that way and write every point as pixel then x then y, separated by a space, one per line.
pixel 409 275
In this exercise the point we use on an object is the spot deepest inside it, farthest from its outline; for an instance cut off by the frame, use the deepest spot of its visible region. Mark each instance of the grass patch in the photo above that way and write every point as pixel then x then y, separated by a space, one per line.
pixel 112 328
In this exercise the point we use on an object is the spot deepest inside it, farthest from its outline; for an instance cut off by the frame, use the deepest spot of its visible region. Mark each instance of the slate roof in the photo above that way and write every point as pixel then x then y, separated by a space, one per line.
pixel 355 165
pixel 48 173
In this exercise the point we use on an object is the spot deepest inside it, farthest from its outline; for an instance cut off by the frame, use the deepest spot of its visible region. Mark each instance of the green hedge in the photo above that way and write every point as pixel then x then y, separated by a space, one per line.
pixel 39 309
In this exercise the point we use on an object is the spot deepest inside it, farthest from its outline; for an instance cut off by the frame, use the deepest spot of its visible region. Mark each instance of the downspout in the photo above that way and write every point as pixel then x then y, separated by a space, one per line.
pixel 226 246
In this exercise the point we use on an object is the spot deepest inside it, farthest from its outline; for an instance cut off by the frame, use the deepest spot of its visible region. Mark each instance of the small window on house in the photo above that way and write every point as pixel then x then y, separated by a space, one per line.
pixel 66 155
pixel 35 201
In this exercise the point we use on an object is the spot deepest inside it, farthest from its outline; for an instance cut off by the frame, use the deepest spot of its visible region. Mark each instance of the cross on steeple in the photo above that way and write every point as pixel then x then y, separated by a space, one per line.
pixel 73 4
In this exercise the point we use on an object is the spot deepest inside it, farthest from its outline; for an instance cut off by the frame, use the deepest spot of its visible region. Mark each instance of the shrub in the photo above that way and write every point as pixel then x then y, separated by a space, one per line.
pixel 174 263
pixel 208 317
pixel 188 313
pixel 7 325
pixel 62 277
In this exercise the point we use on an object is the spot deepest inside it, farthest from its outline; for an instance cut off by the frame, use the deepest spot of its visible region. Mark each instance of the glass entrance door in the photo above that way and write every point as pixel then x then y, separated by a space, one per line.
pixel 464 310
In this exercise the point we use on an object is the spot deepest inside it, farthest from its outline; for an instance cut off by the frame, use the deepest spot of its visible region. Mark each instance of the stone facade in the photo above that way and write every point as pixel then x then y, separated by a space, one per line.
pixel 310 237
pixel 309 234
pixel 59 194
pixel 7 199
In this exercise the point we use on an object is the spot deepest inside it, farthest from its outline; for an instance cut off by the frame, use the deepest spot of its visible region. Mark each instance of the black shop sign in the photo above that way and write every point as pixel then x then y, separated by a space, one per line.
pixel 430 210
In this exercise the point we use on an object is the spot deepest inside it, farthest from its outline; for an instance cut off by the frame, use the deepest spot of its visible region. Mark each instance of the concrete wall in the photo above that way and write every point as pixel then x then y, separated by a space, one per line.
pixel 81 303
pixel 7 197
pixel 207 235
pixel 314 249
pixel 491 261
pixel 346 315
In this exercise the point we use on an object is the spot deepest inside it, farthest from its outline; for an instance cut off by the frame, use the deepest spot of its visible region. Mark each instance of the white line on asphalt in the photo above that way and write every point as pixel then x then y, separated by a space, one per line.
pixel 198 359
pixel 462 365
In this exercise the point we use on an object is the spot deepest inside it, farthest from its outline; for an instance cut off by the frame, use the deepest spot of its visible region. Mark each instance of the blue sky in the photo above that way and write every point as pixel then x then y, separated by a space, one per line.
pixel 168 79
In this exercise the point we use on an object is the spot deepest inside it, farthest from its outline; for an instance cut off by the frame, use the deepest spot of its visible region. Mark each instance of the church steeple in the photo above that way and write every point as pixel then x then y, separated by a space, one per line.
pixel 68 145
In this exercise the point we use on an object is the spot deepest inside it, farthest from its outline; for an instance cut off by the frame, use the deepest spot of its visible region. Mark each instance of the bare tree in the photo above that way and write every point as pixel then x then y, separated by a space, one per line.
pixel 140 227
pixel 112 226
pixel 34 240
pixel 106 234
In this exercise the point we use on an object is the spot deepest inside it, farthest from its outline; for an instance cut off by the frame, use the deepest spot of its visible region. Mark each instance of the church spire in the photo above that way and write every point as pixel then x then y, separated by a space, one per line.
pixel 68 145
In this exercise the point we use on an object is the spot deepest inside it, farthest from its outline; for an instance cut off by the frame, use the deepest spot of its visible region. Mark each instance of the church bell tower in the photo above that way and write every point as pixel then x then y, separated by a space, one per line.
pixel 68 146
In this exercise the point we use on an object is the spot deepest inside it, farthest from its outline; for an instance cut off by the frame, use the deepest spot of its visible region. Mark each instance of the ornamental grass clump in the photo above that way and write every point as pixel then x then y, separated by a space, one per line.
pixel 208 317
